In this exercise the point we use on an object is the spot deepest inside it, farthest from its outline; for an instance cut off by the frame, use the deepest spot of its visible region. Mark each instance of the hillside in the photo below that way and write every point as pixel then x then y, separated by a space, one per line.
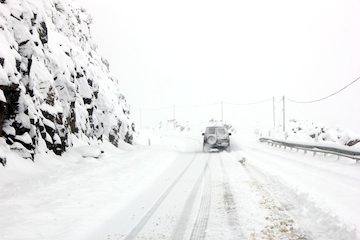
pixel 53 83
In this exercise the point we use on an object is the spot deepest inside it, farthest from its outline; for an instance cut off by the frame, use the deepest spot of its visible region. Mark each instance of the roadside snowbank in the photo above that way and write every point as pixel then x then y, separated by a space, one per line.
pixel 311 133
pixel 66 197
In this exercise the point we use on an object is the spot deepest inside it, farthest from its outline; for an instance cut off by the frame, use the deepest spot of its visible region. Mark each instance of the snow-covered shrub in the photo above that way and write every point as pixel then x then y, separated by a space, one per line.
pixel 53 83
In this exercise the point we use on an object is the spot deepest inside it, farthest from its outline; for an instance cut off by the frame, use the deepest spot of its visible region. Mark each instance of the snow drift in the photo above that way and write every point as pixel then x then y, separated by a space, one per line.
pixel 53 83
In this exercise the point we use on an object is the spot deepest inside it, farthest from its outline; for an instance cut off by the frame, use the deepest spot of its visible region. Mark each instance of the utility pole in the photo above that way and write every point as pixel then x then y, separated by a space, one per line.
pixel 284 116
pixel 274 120
pixel 222 111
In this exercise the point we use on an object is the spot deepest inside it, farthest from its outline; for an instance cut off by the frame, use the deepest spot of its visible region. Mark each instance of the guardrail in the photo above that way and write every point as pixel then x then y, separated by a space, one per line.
pixel 340 152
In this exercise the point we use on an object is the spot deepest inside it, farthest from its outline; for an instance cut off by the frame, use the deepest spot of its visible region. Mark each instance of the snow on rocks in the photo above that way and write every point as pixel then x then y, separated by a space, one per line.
pixel 53 83
pixel 2 97
pixel 310 132
pixel 90 151
pixel 3 149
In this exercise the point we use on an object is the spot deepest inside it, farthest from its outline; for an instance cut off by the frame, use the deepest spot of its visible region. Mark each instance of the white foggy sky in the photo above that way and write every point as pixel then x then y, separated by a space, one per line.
pixel 195 51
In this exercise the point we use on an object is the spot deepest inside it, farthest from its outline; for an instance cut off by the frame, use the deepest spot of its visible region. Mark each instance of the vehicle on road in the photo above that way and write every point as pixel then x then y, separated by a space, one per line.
pixel 216 137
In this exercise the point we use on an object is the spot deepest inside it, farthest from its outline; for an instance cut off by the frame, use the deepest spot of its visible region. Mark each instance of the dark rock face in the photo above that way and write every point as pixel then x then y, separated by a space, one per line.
pixel 2 115
pixel 352 142
pixel 3 161
pixel 128 138
pixel 12 94
pixel 55 84
pixel 43 33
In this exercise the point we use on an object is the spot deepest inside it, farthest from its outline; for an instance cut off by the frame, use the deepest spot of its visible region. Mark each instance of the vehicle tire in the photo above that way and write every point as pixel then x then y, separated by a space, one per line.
pixel 211 140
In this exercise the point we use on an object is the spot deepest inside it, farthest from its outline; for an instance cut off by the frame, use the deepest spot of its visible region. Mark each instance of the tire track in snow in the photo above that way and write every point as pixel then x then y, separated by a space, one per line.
pixel 181 226
pixel 136 230
pixel 280 225
pixel 201 222
pixel 230 205
pixel 324 225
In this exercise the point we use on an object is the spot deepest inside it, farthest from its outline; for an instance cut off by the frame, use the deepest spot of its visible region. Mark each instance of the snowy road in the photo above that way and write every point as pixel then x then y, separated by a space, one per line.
pixel 177 192
pixel 214 196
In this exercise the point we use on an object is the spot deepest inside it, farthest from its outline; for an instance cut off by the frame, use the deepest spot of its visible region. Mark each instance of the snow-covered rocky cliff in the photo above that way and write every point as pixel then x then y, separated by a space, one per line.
pixel 53 83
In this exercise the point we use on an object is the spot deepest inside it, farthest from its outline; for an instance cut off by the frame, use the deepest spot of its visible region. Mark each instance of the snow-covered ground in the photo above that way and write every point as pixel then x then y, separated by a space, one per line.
pixel 172 190
pixel 321 192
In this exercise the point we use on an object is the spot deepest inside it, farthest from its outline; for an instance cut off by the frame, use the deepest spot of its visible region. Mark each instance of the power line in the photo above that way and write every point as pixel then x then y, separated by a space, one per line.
pixel 328 96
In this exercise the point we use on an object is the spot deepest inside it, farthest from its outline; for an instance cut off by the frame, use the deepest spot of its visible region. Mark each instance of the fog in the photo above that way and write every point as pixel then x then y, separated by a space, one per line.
pixel 201 52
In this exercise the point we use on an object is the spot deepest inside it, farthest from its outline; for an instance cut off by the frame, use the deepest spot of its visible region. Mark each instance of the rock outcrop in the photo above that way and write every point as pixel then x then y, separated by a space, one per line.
pixel 53 83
